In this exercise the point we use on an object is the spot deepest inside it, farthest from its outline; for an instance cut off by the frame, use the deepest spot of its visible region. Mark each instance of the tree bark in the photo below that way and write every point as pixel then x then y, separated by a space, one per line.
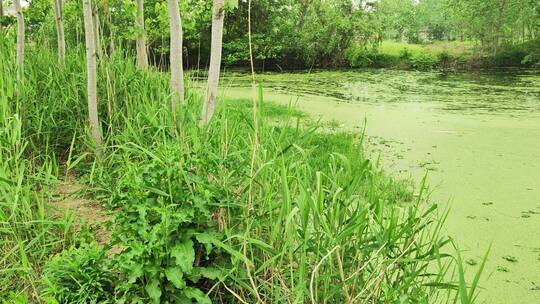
pixel 177 73
pixel 209 104
pixel 97 31
pixel 91 73
pixel 20 37
pixel 142 56
pixel 60 38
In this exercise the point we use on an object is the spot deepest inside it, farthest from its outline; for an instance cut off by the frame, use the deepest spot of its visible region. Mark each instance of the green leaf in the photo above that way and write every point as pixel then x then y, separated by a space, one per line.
pixel 462 284
pixel 476 279
pixel 210 273
pixel 207 240
pixel 197 295
pixel 135 272
pixel 175 276
pixel 205 272
pixel 184 255
pixel 153 290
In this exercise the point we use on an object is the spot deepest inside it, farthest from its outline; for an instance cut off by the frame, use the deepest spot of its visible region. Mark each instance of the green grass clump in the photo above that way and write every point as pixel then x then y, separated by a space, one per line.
pixel 226 213
pixel 78 275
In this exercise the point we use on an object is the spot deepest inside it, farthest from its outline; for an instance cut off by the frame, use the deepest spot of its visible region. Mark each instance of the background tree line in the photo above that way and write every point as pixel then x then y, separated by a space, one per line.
pixel 300 33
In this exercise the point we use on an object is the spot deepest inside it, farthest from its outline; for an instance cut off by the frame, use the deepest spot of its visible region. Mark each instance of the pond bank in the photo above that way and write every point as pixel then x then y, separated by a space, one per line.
pixel 482 164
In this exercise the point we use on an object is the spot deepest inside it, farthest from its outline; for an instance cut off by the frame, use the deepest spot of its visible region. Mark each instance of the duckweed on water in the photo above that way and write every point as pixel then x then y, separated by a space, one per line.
pixel 483 91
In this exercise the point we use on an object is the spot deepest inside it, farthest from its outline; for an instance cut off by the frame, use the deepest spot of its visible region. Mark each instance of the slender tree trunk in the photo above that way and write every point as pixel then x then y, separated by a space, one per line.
pixel 60 38
pixel 498 28
pixel 91 73
pixel 209 104
pixel 1 14
pixel 107 9
pixel 97 31
pixel 20 37
pixel 177 73
pixel 142 56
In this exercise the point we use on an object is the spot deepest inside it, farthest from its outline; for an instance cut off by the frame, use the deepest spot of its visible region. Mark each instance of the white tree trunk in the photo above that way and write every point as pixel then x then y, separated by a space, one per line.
pixel 97 32
pixel 60 38
pixel 91 73
pixel 20 37
pixel 209 104
pixel 177 73
pixel 142 56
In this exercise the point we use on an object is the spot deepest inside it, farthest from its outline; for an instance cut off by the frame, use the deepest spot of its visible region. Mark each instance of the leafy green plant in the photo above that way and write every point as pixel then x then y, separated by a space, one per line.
pixel 79 275
pixel 166 228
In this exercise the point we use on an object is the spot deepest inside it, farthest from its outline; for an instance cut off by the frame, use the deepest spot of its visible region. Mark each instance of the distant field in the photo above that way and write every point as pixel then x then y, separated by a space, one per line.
pixel 454 48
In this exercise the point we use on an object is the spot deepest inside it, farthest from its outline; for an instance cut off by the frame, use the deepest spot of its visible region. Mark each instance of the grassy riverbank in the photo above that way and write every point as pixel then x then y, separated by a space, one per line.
pixel 218 214
pixel 460 55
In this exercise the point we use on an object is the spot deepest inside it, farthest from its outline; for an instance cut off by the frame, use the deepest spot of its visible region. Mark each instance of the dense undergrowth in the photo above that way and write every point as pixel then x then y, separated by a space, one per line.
pixel 202 215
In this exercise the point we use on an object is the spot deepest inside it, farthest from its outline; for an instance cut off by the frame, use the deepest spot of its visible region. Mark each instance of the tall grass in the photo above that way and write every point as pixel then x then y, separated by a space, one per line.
pixel 28 233
pixel 310 220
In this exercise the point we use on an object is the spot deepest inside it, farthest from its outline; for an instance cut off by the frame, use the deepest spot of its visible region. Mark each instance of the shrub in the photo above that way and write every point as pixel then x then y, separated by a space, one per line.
pixel 423 61
pixel 405 54
pixel 79 275
pixel 509 56
pixel 444 56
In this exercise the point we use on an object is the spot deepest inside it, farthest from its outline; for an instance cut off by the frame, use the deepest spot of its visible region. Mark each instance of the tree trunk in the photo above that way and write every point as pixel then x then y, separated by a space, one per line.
pixel 142 56
pixel 60 38
pixel 1 14
pixel 20 37
pixel 177 73
pixel 215 62
pixel 111 38
pixel 97 31
pixel 91 73
pixel 498 28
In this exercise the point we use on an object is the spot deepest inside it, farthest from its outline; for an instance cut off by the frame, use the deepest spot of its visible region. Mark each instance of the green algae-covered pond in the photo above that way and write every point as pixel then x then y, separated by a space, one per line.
pixel 476 134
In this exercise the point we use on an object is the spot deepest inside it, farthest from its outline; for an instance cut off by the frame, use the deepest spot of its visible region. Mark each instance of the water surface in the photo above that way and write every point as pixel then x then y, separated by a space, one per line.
pixel 477 135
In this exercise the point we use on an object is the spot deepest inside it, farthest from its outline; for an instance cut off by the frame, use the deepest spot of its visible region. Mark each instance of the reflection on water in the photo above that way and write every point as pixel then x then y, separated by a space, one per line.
pixel 485 91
